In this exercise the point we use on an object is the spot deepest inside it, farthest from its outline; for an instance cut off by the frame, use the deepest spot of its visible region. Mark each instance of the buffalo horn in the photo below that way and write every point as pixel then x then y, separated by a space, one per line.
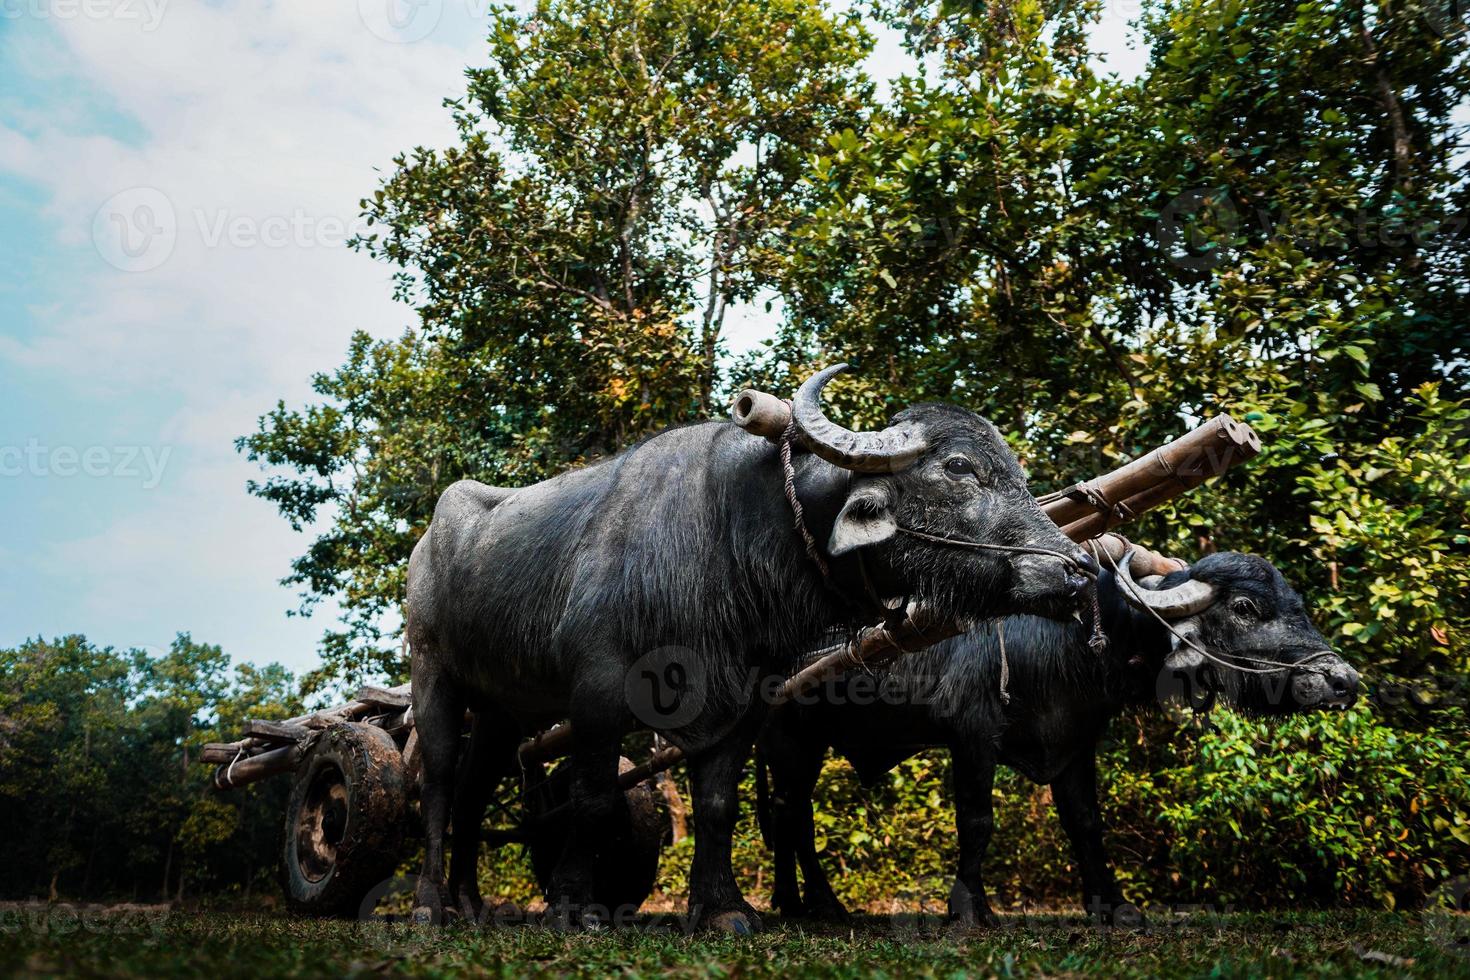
pixel 1184 599
pixel 895 448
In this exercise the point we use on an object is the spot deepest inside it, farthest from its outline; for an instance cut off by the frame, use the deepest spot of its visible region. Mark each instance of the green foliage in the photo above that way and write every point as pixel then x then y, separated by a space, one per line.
pixel 1396 522
pixel 98 795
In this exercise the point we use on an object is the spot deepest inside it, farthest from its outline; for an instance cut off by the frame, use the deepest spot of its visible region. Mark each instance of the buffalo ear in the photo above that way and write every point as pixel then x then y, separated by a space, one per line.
pixel 867 518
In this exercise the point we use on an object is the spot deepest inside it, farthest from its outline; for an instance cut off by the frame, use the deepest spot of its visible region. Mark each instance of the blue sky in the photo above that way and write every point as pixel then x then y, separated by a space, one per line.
pixel 176 182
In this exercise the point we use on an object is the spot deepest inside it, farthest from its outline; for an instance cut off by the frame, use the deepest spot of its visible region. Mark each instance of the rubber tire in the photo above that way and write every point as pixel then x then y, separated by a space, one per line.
pixel 345 820
pixel 628 879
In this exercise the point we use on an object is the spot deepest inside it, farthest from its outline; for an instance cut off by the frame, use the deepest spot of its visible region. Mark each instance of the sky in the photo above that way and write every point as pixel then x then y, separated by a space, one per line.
pixel 177 182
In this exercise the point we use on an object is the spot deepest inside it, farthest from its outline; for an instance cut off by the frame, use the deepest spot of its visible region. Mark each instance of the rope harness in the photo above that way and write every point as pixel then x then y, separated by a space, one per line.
pixel 1005 664
pixel 788 472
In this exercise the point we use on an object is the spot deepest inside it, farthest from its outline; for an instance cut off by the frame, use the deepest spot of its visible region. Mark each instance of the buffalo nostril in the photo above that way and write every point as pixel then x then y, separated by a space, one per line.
pixel 1088 564
pixel 1340 686
pixel 1075 585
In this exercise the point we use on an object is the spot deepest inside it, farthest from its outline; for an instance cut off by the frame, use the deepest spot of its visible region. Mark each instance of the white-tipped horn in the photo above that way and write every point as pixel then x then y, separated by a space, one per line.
pixel 1184 599
pixel 892 449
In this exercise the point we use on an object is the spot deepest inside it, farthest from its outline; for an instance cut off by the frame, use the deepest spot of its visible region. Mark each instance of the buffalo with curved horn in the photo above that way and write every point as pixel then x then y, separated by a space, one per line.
pixel 1026 694
pixel 657 588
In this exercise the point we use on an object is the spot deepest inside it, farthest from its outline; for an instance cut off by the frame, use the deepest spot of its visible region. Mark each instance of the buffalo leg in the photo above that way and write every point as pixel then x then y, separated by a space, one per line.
pixel 795 763
pixel 439 720
pixel 491 755
pixel 1075 793
pixel 974 780
pixel 714 897
pixel 598 812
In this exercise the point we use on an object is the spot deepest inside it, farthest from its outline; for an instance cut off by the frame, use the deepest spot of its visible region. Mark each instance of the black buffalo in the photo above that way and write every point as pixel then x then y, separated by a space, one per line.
pixel 678 559
pixel 1234 607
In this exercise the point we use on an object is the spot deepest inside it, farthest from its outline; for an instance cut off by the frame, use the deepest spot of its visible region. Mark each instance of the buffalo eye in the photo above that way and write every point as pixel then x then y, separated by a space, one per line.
pixel 1245 608
pixel 959 467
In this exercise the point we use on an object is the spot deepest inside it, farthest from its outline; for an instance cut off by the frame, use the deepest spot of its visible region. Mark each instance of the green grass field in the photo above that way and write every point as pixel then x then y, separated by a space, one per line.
pixel 158 944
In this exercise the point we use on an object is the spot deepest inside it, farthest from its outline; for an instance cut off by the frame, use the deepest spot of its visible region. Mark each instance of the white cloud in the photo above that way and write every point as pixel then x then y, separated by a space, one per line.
pixel 257 129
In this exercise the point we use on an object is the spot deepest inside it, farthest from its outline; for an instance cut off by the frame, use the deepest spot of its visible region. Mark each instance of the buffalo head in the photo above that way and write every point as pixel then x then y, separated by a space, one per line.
pixel 1240 611
pixel 935 500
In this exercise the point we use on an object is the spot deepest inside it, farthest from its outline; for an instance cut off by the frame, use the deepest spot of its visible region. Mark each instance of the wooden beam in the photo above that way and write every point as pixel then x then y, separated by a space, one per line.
pixel 275 732
pixel 394 698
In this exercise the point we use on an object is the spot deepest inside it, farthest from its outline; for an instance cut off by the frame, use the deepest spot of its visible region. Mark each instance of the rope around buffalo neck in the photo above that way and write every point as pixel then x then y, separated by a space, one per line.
pixel 1021 549
pixel 1097 642
pixel 1005 664
pixel 1260 666
pixel 788 473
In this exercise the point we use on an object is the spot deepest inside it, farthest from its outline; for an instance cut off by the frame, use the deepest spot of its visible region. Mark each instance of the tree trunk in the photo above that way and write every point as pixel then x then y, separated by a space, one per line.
pixel 168 866
pixel 678 811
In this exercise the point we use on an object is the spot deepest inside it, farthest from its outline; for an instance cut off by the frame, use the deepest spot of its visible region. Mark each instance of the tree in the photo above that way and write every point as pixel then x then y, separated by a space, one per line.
pixel 99 793
pixel 1245 228
pixel 623 173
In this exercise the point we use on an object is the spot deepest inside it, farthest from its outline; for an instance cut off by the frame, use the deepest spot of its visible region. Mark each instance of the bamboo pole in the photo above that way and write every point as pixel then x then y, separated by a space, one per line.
pixel 1093 506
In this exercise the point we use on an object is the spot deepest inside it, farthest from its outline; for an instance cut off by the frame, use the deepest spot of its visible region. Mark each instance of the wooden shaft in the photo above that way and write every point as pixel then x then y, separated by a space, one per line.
pixel 761 413
pixel 874 647
pixel 370 700
pixel 254 767
pixel 1207 450
pixel 551 744
pixel 1096 523
pixel 665 758
pixel 1110 548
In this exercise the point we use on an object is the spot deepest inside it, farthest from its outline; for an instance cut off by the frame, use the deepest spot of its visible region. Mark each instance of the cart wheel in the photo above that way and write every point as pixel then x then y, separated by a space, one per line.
pixel 344 821
pixel 628 878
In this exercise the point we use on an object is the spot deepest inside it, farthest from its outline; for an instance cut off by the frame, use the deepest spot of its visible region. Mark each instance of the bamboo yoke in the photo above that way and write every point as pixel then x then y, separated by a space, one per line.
pixel 1086 512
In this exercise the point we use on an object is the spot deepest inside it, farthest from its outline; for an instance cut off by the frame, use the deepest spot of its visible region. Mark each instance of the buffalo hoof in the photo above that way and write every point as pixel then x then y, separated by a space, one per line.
pixel 827 911
pixel 428 904
pixel 971 919
pixel 734 922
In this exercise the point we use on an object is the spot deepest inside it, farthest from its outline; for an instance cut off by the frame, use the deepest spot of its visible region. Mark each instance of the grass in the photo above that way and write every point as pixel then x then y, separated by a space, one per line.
pixel 34 942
